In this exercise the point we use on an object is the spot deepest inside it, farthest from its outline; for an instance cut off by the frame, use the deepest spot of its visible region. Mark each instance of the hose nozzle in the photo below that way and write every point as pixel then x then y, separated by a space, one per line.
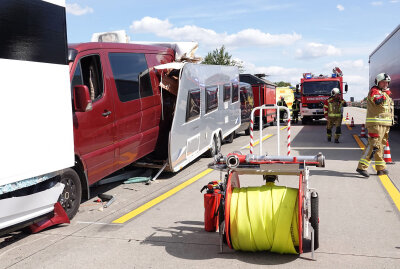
pixel 232 161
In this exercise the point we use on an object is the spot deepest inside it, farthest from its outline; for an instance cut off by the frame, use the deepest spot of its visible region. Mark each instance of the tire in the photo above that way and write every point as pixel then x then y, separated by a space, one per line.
pixel 70 198
pixel 221 222
pixel 314 220
pixel 229 138
pixel 272 122
pixel 212 151
pixel 218 144
pixel 304 120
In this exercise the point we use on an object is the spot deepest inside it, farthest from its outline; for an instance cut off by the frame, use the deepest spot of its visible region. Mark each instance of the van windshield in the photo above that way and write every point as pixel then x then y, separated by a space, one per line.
pixel 319 87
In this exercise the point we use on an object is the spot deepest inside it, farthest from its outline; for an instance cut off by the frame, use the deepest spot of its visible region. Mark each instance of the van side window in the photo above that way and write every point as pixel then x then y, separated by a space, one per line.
pixel 145 84
pixel 193 105
pixel 128 69
pixel 227 92
pixel 92 75
pixel 211 98
pixel 235 93
pixel 77 78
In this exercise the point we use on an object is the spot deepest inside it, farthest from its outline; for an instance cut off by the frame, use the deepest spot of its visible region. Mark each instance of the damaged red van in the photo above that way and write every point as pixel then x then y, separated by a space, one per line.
pixel 117 108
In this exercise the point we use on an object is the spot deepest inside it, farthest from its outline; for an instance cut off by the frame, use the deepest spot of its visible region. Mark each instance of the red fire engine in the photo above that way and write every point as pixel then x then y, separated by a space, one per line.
pixel 314 90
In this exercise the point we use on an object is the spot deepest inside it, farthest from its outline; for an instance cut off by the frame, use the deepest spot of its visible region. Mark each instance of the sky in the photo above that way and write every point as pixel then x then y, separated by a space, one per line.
pixel 280 38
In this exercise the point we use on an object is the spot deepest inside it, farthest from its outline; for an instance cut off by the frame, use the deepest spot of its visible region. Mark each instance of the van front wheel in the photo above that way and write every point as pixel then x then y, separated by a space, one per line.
pixel 70 198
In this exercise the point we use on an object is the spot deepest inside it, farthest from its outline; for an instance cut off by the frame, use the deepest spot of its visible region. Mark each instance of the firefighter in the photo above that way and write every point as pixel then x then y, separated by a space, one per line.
pixel 281 102
pixel 380 116
pixel 296 109
pixel 333 107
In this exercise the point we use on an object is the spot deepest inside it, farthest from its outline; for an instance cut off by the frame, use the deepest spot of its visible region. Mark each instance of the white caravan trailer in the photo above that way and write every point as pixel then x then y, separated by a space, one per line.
pixel 36 140
pixel 200 108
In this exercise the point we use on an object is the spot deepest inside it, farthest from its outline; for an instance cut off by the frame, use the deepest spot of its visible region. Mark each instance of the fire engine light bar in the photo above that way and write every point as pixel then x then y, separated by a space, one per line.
pixel 333 75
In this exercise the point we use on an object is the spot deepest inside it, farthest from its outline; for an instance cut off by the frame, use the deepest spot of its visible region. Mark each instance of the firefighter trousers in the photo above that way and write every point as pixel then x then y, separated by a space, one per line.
pixel 377 137
pixel 334 121
pixel 295 116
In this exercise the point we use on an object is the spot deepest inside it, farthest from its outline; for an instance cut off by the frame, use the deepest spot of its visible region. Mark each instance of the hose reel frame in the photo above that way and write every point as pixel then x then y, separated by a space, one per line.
pixel 235 164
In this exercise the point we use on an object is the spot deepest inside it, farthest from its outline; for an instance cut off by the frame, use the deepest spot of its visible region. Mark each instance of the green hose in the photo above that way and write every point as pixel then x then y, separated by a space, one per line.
pixel 264 218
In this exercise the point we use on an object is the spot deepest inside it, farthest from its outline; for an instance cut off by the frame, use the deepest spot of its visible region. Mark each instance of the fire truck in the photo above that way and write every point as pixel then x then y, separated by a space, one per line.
pixel 314 90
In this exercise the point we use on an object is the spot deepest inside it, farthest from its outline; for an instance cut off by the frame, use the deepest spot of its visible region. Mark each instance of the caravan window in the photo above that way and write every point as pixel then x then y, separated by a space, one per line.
pixel 227 92
pixel 128 69
pixel 235 93
pixel 193 105
pixel 211 98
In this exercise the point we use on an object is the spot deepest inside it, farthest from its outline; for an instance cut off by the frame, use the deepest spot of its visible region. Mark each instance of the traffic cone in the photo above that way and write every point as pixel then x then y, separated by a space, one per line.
pixel 363 134
pixel 352 122
pixel 347 116
pixel 386 154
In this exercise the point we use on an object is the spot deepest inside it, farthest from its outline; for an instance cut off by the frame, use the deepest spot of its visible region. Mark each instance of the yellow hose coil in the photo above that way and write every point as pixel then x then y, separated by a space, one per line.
pixel 264 218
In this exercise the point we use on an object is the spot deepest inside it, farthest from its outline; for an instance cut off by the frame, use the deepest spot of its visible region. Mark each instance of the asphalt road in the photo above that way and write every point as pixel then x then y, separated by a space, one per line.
pixel 359 220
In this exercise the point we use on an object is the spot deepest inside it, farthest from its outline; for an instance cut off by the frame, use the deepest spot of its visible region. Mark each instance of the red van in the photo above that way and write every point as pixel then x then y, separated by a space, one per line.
pixel 117 108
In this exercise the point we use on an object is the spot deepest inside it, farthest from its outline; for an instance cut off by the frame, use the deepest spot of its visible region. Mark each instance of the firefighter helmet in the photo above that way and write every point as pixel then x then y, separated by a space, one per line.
pixel 335 91
pixel 380 77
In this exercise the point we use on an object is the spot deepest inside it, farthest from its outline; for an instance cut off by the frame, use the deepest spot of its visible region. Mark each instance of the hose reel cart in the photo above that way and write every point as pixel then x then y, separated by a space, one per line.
pixel 269 217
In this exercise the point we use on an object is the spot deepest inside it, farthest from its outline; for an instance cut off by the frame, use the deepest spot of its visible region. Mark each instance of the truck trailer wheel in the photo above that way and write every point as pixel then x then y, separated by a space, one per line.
pixel 314 220
pixel 70 198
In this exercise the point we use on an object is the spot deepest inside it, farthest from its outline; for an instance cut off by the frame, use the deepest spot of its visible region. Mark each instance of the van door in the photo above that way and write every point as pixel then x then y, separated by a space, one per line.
pixel 129 69
pixel 94 130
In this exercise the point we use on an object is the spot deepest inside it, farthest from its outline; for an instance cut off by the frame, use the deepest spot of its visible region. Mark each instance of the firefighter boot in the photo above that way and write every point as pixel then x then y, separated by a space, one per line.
pixel 382 172
pixel 364 173
pixel 337 140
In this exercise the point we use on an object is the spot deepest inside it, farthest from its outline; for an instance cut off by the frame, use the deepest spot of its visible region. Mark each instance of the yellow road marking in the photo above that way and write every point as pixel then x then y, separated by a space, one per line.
pixel 160 198
pixel 258 141
pixel 391 189
pixel 359 142
pixel 385 180
pixel 264 138
pixel 348 127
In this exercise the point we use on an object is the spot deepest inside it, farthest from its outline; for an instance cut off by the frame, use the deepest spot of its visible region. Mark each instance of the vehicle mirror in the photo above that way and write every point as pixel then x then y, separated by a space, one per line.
pixel 346 88
pixel 82 101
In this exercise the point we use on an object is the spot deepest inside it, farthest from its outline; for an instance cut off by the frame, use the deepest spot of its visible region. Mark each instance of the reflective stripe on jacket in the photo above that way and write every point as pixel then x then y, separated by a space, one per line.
pixel 333 107
pixel 382 114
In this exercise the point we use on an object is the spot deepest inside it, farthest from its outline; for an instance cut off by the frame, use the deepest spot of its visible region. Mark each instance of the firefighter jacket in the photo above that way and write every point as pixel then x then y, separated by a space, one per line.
pixel 296 106
pixel 380 110
pixel 333 107
pixel 282 103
